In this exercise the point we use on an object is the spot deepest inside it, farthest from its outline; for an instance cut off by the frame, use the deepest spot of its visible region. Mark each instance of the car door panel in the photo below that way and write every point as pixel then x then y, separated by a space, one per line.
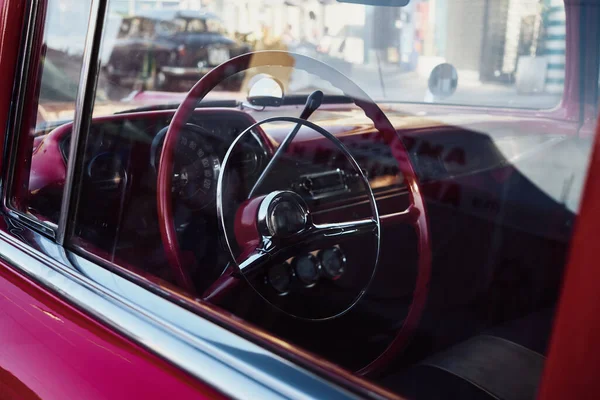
pixel 51 350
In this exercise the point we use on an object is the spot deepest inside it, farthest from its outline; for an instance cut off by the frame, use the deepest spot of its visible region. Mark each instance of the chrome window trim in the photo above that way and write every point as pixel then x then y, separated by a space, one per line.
pixel 12 132
pixel 83 111
pixel 229 363
pixel 84 106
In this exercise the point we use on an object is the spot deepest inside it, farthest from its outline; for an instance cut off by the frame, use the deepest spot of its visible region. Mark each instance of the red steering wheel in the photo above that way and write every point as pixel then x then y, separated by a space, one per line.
pixel 415 215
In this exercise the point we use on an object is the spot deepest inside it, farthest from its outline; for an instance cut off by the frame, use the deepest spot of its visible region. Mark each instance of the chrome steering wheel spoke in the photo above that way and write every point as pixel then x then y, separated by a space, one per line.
pixel 315 236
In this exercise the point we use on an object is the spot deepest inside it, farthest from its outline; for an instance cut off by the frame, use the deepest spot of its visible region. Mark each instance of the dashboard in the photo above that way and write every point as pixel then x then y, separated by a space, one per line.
pixel 469 202
pixel 121 160
pixel 122 156
pixel 474 194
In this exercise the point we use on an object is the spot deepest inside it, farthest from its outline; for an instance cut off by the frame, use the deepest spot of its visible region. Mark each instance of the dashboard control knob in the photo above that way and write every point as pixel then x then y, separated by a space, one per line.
pixel 333 262
pixel 307 269
pixel 279 277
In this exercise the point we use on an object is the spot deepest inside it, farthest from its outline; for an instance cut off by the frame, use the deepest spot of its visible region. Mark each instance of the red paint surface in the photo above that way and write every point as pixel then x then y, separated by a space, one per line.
pixel 11 16
pixel 574 358
pixel 51 350
pixel 573 362
pixel 12 388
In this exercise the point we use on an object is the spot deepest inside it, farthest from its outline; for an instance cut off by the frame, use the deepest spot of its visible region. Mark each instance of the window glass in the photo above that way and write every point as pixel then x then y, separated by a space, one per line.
pixel 510 54
pixel 52 86
pixel 424 222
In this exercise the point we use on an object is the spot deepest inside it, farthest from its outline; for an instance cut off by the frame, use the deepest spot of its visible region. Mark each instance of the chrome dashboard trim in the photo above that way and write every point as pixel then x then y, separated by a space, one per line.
pixel 335 190
pixel 231 364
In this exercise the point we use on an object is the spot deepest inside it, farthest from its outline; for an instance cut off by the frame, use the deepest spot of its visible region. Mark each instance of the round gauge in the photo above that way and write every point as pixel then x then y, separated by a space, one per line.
pixel 247 161
pixel 195 170
pixel 333 262
pixel 306 268
pixel 106 171
pixel 279 277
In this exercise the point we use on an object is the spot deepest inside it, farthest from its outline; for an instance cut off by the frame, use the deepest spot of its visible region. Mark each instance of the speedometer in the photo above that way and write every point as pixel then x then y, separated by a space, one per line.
pixel 195 170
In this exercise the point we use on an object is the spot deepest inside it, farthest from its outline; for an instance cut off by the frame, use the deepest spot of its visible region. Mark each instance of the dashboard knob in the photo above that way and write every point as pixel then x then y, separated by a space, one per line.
pixel 279 277
pixel 307 269
pixel 333 262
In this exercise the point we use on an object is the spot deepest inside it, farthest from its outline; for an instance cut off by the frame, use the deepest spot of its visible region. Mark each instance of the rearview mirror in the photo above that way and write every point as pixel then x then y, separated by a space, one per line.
pixel 383 3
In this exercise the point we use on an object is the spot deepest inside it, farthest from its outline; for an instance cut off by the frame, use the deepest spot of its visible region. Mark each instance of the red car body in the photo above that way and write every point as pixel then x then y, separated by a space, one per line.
pixel 49 348
pixel 48 345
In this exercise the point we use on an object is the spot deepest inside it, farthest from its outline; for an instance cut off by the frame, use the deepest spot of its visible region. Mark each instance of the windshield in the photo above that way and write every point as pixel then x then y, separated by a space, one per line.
pixel 496 54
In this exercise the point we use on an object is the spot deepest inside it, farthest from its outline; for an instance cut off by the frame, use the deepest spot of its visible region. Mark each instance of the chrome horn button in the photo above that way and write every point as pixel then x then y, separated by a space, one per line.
pixel 283 214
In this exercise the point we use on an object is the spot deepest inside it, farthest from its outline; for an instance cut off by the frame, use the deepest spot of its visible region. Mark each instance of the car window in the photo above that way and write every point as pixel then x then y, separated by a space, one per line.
pixel 51 90
pixel 393 189
pixel 196 25
pixel 141 27
pixel 166 28
pixel 125 27
pixel 213 25
pixel 181 24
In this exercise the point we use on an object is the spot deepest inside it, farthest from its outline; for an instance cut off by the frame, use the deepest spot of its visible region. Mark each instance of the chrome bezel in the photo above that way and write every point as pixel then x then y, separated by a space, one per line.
pixel 291 276
pixel 344 260
pixel 267 207
pixel 317 264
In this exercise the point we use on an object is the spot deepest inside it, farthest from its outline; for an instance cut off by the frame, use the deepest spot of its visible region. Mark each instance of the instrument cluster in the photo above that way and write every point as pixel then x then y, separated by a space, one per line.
pixel 201 147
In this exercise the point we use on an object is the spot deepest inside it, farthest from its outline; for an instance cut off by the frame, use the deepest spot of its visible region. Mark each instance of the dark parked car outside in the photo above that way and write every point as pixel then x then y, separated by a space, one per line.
pixel 165 50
